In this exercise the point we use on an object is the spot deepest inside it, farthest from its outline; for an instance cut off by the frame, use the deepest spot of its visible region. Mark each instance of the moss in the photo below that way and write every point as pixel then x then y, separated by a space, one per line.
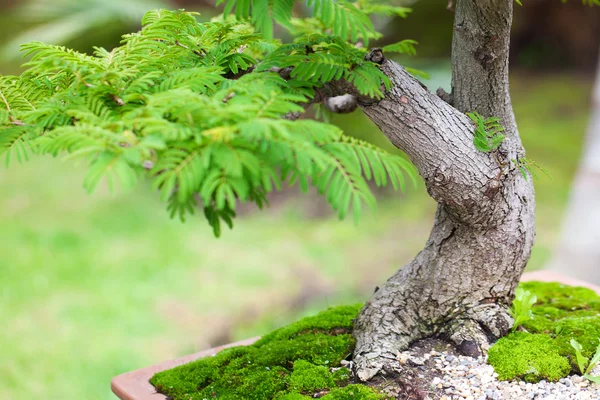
pixel 262 384
pixel 566 312
pixel 584 329
pixel 531 357
pixel 546 318
pixel 291 363
pixel 302 359
pixel 308 377
pixel 338 319
pixel 560 314
pixel 293 396
pixel 563 297
pixel 354 392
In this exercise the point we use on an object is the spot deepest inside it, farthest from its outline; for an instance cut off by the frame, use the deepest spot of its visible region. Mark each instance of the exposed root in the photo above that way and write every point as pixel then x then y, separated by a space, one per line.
pixel 410 376
pixel 483 325
pixel 468 338
pixel 470 334
pixel 366 366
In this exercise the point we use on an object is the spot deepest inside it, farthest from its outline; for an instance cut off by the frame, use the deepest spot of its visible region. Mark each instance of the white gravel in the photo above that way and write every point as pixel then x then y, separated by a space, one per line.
pixel 473 379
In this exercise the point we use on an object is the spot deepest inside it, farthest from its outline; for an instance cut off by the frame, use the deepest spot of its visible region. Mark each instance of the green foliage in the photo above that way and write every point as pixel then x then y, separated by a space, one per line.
pixel 521 307
pixel 586 365
pixel 294 362
pixel 566 313
pixel 348 20
pixel 595 359
pixel 588 2
pixel 526 165
pixel 487 136
pixel 407 47
pixel 198 109
pixel 581 360
pixel 64 21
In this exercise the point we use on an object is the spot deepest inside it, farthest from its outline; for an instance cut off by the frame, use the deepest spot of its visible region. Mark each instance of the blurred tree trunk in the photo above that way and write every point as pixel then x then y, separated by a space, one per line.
pixel 555 35
pixel 578 251
pixel 546 34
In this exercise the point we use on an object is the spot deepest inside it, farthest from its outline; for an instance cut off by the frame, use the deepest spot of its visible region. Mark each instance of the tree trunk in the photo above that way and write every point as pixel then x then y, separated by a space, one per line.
pixel 461 284
pixel 578 251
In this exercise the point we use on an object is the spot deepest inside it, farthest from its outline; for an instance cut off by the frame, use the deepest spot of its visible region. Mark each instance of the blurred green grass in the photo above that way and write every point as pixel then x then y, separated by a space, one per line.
pixel 94 286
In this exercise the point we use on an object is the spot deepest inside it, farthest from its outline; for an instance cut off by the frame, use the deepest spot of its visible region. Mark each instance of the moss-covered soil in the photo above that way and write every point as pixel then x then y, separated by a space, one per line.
pixel 541 349
pixel 292 363
pixel 304 360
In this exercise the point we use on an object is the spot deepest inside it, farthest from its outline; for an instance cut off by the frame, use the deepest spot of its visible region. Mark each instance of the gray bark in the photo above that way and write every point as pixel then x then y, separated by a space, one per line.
pixel 578 250
pixel 461 284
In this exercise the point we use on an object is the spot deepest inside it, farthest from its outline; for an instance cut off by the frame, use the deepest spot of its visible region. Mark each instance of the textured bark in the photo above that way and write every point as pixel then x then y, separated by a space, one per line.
pixel 461 284
pixel 578 253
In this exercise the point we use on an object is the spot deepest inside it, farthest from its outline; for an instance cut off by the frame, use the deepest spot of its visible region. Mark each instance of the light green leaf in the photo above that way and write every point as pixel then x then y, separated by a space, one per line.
pixel 581 360
pixel 595 359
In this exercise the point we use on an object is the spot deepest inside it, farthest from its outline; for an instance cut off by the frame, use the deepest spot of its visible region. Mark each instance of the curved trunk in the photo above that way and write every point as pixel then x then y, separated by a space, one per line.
pixel 461 284
pixel 578 253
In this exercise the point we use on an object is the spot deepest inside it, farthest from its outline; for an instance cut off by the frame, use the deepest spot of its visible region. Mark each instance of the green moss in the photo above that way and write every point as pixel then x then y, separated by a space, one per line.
pixel 293 396
pixel 531 357
pixel 308 377
pixel 560 314
pixel 563 297
pixel 584 329
pixel 354 392
pixel 335 319
pixel 291 363
pixel 546 318
pixel 302 359
pixel 565 312
pixel 259 384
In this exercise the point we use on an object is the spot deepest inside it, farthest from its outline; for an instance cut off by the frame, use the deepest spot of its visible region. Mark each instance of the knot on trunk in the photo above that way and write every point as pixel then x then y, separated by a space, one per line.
pixel 485 57
pixel 442 94
pixel 341 104
pixel 375 55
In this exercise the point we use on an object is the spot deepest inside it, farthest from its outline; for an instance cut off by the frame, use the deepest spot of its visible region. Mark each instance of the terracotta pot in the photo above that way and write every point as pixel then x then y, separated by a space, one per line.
pixel 135 385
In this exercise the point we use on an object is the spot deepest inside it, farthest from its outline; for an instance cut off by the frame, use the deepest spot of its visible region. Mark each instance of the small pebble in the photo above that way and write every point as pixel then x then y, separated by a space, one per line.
pixel 465 378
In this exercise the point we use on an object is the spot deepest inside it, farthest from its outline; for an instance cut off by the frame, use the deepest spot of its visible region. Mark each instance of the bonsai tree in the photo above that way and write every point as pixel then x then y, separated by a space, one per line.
pixel 210 113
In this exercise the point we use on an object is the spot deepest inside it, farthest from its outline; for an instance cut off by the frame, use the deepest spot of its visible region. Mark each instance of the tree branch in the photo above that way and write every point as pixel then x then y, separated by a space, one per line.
pixel 480 59
pixel 439 140
pixel 480 49
pixel 435 135
pixel 438 137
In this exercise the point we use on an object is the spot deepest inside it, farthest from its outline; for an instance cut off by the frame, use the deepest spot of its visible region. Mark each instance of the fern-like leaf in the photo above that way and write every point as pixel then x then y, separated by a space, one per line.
pixel 196 108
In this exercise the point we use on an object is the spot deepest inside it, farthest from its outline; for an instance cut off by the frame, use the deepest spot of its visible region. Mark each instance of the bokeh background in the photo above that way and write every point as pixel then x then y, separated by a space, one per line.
pixel 94 286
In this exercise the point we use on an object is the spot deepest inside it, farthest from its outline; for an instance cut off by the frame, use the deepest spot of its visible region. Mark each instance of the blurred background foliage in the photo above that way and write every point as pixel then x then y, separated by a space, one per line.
pixel 94 286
